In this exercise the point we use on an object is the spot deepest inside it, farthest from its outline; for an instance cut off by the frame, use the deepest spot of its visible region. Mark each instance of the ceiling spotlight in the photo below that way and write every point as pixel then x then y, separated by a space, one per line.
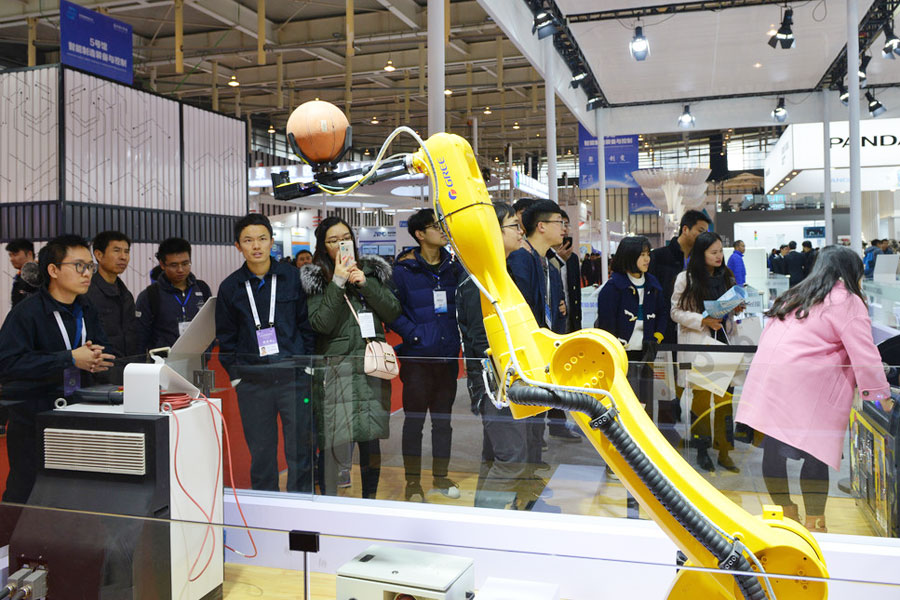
pixel 389 67
pixel 845 94
pixel 544 24
pixel 594 103
pixel 639 46
pixel 516 125
pixel 366 153
pixel 374 121
pixel 780 113
pixel 568 152
pixel 875 107
pixel 448 92
pixel 686 120
pixel 863 65
pixel 271 128
pixel 497 159
pixel 233 82
pixel 487 110
pixel 891 42
pixel 784 35
pixel 577 78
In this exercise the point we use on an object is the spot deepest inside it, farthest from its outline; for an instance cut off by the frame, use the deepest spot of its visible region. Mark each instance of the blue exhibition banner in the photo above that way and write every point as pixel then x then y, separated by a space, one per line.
pixel 95 43
pixel 588 167
pixel 621 159
pixel 639 203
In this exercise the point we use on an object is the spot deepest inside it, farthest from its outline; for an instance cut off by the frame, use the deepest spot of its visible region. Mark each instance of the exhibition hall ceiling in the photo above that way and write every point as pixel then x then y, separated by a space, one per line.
pixel 693 55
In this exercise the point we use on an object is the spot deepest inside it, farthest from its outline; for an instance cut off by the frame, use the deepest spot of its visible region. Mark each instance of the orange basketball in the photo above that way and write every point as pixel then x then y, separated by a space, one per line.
pixel 319 129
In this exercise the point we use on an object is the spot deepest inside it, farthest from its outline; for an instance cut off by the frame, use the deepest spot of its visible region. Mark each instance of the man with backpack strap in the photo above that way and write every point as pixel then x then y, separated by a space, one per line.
pixel 166 306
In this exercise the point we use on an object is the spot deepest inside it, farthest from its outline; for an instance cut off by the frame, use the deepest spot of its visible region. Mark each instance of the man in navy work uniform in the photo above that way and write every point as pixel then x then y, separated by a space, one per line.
pixel 264 331
pixel 50 345
pixel 541 285
pixel 426 280
pixel 166 307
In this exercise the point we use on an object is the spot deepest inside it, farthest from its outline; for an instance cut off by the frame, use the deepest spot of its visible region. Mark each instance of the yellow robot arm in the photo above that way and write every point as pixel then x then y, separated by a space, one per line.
pixel 584 372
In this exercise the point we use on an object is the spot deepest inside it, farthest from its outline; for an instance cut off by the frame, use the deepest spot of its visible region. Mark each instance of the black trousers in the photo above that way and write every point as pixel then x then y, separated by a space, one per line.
pixel 503 457
pixel 429 386
pixel 369 467
pixel 265 393
pixel 21 446
pixel 813 476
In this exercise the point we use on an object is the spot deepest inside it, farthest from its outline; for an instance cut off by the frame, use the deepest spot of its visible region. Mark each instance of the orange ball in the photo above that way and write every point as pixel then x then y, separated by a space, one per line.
pixel 319 129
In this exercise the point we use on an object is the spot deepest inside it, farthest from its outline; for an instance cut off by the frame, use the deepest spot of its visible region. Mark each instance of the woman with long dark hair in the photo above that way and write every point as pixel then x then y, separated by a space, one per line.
pixel 349 405
pixel 705 278
pixel 816 349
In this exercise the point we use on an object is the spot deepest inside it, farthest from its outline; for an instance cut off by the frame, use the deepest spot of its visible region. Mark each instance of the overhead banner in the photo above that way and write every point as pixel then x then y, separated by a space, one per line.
pixel 639 203
pixel 620 156
pixel 95 43
pixel 588 167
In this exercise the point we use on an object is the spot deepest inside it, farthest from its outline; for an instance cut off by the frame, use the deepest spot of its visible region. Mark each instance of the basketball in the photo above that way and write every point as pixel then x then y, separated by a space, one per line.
pixel 319 129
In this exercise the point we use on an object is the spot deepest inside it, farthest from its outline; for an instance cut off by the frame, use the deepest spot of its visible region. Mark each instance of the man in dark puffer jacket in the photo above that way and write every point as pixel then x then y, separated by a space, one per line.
pixel 425 279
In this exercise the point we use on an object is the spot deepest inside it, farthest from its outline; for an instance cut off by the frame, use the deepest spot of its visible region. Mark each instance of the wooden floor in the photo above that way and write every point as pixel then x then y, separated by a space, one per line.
pixel 243 582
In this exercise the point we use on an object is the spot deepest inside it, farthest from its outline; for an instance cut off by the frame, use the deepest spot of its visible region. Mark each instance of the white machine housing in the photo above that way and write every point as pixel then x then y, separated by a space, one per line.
pixel 384 572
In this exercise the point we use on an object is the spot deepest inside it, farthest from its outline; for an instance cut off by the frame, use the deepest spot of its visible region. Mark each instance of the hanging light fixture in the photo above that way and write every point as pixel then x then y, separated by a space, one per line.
pixel 594 103
pixel 686 120
pixel 271 128
pixel 845 94
pixel 366 153
pixel 374 121
pixel 448 92
pixel 639 46
pixel 389 66
pixel 785 35
pixel 487 110
pixel 233 82
pixel 863 65
pixel 516 125
pixel 875 107
pixel 544 24
pixel 578 78
pixel 891 42
pixel 780 113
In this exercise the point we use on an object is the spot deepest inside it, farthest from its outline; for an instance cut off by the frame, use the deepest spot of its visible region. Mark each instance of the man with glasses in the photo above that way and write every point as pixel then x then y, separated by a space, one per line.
pixel 425 279
pixel 266 341
pixel 167 306
pixel 541 285
pixel 51 344
pixel 112 299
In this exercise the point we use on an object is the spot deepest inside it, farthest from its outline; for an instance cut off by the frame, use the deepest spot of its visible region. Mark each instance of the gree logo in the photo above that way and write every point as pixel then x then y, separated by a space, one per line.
pixel 445 171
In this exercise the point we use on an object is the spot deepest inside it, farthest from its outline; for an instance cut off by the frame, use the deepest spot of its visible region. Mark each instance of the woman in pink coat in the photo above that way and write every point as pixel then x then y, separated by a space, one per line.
pixel 815 350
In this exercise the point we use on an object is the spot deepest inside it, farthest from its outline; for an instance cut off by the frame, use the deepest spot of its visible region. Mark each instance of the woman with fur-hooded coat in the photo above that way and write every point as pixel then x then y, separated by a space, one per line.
pixel 349 405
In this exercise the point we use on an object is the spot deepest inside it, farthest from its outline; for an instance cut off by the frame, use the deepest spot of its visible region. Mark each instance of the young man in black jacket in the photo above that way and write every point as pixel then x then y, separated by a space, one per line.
pixel 670 260
pixel 112 299
pixel 794 264
pixel 265 340
pixel 167 306
pixel 21 252
pixel 50 345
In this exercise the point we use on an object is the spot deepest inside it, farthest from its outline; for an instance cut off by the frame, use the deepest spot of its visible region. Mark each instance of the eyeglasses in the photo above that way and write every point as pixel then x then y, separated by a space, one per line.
pixel 560 221
pixel 513 226
pixel 435 226
pixel 333 241
pixel 80 267
pixel 175 266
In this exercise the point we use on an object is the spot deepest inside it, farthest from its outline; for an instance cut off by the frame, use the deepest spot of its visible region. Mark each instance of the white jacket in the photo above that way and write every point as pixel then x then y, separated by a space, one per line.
pixel 691 329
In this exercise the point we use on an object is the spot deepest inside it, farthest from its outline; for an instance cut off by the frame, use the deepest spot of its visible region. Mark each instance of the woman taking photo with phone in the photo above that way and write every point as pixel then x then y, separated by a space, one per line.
pixel 349 300
pixel 816 349
pixel 705 278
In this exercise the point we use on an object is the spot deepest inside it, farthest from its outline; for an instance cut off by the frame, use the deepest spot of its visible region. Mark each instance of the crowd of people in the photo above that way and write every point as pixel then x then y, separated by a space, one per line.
pixel 76 324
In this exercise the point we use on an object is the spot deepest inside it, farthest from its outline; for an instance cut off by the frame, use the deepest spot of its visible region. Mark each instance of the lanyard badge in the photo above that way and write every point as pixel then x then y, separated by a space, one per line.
pixel 71 375
pixel 266 339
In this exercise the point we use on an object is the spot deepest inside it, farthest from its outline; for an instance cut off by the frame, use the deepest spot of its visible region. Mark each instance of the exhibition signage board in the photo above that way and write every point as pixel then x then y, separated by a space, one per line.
pixel 620 156
pixel 639 203
pixel 95 43
pixel 530 185
pixel 588 168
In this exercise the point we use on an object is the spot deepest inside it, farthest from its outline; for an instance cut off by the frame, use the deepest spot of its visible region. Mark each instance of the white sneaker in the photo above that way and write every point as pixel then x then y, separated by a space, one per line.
pixel 446 487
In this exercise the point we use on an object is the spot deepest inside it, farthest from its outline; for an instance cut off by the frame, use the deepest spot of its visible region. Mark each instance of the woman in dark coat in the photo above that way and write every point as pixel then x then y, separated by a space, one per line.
pixel 349 405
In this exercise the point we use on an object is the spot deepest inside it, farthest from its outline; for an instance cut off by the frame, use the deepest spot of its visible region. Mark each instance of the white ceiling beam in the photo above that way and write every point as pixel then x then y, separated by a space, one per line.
pixel 234 14
pixel 459 45
pixel 327 55
pixel 405 10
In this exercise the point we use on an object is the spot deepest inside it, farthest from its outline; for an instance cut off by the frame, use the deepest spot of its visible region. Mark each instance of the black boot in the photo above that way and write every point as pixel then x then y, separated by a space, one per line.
pixel 704 462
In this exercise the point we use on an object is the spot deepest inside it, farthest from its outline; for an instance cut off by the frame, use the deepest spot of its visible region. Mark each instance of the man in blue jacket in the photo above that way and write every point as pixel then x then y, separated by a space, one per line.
pixel 541 285
pixel 736 263
pixel 264 334
pixel 426 280
pixel 166 307
pixel 51 344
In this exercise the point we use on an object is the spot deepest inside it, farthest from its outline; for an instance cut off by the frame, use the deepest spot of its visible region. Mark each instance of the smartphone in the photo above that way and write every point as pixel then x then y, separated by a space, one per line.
pixel 345 248
pixel 567 241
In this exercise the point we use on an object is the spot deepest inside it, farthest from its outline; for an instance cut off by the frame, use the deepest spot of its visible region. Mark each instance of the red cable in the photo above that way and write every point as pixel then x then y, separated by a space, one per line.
pixel 178 401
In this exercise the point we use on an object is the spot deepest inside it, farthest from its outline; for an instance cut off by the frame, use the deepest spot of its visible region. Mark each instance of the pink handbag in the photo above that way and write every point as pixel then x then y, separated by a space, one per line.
pixel 380 359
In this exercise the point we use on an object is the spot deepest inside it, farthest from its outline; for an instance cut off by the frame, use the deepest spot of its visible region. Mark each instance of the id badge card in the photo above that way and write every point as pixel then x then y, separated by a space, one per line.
pixel 182 327
pixel 440 301
pixel 71 381
pixel 366 324
pixel 267 341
